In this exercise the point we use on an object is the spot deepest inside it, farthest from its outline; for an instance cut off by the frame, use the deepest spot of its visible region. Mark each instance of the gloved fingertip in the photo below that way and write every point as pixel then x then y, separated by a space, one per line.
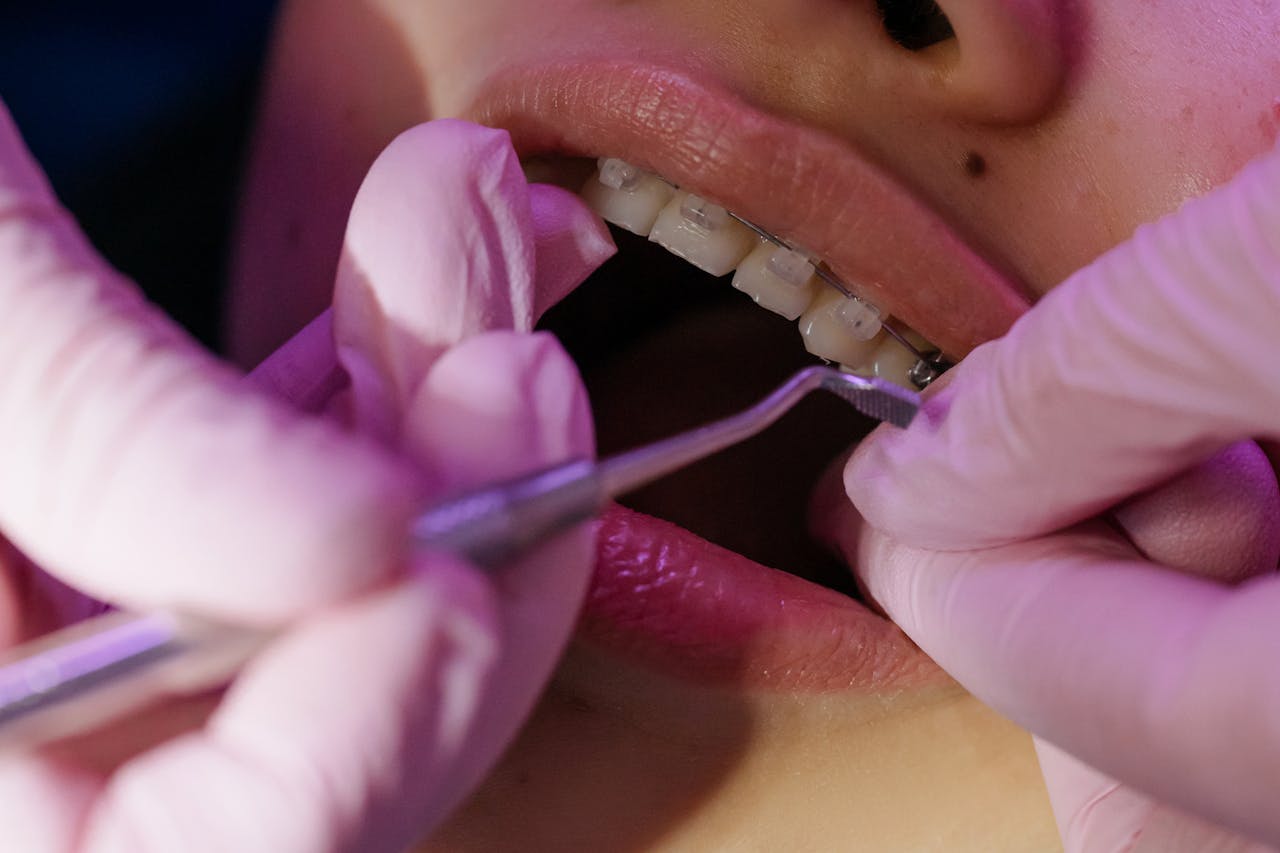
pixel 417 153
pixel 499 405
pixel 905 482
pixel 425 184
pixel 877 484
pixel 572 242
pixel 439 246
pixel 446 186
pixel 864 472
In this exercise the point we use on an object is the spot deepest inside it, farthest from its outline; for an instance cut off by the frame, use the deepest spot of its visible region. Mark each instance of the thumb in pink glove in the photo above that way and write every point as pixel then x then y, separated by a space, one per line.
pixel 137 469
pixel 1141 366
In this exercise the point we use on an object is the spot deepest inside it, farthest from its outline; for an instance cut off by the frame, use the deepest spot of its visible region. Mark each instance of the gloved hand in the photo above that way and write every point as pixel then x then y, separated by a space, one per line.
pixel 137 470
pixel 979 542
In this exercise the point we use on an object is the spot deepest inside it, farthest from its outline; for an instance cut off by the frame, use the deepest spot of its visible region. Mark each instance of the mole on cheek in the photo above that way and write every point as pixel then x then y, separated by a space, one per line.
pixel 975 165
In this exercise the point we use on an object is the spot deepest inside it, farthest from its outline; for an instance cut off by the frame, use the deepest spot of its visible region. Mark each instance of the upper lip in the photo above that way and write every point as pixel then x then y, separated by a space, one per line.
pixel 800 183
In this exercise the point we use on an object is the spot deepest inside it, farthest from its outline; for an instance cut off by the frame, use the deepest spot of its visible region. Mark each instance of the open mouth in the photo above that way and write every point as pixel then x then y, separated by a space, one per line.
pixel 712 573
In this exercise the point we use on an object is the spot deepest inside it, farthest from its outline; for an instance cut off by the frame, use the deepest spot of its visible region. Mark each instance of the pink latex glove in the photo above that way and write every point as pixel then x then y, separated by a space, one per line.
pixel 1129 377
pixel 136 469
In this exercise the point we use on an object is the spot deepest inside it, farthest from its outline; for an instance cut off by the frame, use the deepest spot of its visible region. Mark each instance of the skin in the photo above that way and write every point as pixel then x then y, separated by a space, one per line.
pixel 1045 133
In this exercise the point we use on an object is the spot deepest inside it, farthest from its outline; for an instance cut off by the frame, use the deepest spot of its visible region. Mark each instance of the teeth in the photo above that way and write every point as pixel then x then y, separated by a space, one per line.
pixel 778 279
pixel 702 233
pixel 840 329
pixel 892 361
pixel 627 196
pixel 619 175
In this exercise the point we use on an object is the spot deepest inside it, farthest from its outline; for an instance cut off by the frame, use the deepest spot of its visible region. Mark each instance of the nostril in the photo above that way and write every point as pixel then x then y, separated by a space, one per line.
pixel 990 61
pixel 915 24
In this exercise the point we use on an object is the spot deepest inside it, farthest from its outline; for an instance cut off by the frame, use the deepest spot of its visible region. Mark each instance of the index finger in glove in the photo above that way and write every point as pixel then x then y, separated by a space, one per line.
pixel 133 465
pixel 1137 367
pixel 517 250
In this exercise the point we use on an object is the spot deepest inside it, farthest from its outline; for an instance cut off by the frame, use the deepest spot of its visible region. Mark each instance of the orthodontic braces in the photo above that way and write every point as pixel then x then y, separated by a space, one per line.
pixel 929 365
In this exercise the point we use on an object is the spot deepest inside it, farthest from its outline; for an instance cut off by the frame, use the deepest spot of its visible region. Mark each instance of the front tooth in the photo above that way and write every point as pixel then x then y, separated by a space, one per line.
pixel 777 278
pixel 841 329
pixel 626 195
pixel 702 233
pixel 618 174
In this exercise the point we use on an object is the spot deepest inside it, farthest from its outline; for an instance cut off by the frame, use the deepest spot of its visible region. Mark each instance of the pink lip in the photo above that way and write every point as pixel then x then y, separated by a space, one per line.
pixel 662 594
pixel 670 599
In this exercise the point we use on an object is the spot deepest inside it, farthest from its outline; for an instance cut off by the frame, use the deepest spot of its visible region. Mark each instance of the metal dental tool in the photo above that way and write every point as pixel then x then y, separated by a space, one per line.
pixel 102 669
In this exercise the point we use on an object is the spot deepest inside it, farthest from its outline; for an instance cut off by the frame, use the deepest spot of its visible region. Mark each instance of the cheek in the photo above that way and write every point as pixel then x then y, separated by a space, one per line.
pixel 1177 102
pixel 1186 150
pixel 1164 104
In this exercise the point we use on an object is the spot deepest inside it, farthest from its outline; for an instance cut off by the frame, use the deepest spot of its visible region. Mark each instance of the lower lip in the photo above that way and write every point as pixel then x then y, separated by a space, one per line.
pixel 668 599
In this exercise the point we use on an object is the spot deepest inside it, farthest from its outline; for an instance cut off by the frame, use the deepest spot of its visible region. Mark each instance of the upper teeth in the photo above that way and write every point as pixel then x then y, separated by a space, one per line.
pixel 835 325
pixel 627 197
pixel 777 278
pixel 702 233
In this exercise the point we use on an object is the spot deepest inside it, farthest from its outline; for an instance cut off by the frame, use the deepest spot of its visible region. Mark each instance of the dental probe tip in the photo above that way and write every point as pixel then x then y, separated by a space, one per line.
pixel 875 398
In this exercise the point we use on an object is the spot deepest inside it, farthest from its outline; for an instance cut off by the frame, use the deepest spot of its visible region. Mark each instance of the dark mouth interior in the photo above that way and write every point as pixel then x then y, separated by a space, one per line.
pixel 664 347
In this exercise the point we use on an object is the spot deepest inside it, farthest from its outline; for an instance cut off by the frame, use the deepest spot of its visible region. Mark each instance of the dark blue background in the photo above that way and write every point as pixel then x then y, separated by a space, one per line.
pixel 139 112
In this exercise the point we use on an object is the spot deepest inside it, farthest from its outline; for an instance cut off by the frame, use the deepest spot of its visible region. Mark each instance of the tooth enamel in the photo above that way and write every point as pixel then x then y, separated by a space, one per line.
pixel 892 361
pixel 778 279
pixel 862 318
pixel 626 195
pixel 702 233
pixel 789 265
pixel 618 174
pixel 835 326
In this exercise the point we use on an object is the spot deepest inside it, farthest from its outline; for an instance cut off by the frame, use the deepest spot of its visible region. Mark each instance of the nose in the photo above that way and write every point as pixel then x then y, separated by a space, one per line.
pixel 1005 63
pixel 987 62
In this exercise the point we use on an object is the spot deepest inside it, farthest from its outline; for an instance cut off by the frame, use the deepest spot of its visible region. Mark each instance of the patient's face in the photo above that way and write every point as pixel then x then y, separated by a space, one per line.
pixel 949 171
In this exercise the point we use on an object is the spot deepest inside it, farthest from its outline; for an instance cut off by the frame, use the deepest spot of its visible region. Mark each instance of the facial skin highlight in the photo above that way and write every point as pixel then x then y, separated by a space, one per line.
pixel 1044 133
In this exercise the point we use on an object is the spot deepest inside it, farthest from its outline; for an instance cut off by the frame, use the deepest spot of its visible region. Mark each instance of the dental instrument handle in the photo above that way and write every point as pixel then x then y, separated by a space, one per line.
pixel 493 526
pixel 104 668
pixel 99 670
